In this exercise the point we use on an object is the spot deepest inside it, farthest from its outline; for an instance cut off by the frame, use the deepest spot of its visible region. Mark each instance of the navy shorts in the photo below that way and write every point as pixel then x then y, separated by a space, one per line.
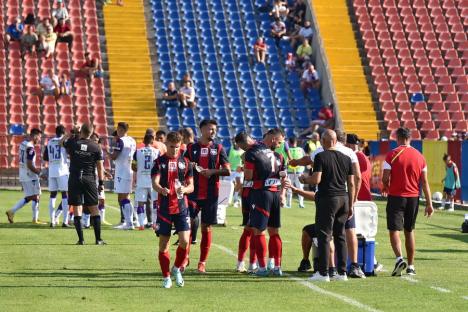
pixel 265 209
pixel 245 211
pixel 209 210
pixel 165 220
pixel 193 209
pixel 450 192
pixel 350 224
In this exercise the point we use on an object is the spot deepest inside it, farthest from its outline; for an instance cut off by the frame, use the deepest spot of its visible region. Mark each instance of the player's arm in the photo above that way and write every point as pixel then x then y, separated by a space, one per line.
pixel 45 155
pixel 116 150
pixel 188 187
pixel 357 179
pixel 304 161
pixel 351 194
pixel 225 169
pixel 427 194
pixel 316 176
pixel 100 172
pixel 156 178
pixel 386 179
pixel 30 163
pixel 306 194
pixel 134 162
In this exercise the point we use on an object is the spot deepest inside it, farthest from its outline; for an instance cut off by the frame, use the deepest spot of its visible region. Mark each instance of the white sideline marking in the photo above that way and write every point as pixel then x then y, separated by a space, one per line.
pixel 410 279
pixel 440 289
pixel 465 297
pixel 112 207
pixel 312 286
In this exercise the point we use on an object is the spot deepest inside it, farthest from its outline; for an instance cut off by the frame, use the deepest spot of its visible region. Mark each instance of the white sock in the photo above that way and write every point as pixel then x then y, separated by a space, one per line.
pixel 289 198
pixel 128 213
pixel 154 215
pixel 141 219
pixel 452 205
pixel 35 210
pixel 235 197
pixel 86 219
pixel 239 263
pixel 443 203
pixel 399 258
pixel 52 209
pixel 58 213
pixel 411 266
pixel 102 212
pixel 375 260
pixel 65 210
pixel 301 201
pixel 20 204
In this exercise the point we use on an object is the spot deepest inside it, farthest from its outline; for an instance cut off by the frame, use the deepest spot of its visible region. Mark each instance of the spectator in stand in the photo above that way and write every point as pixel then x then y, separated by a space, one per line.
pixel 260 50
pixel 291 62
pixel 185 78
pixel 279 10
pixel 59 13
pixel 278 30
pixel 51 39
pixel 310 79
pixel 304 53
pixel 297 12
pixel 171 95
pixel 41 29
pixel 90 67
pixel 29 41
pixel 187 95
pixel 49 84
pixel 64 33
pixel 65 84
pixel 14 32
pixel 305 32
pixel 326 120
pixel 30 20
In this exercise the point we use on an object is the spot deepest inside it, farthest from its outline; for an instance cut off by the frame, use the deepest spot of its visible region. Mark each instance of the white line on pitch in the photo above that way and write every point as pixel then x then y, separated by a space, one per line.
pixel 440 289
pixel 410 279
pixel 312 286
pixel 465 297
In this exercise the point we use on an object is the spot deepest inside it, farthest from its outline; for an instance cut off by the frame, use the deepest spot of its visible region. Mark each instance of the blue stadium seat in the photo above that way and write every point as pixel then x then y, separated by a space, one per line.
pixel 256 133
pixel 223 132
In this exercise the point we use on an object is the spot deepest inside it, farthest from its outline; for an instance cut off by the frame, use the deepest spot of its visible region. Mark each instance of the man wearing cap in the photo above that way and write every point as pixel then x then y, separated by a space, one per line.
pixel 405 170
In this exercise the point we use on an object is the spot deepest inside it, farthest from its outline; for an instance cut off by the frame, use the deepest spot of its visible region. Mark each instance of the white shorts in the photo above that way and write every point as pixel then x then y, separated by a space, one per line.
pixel 122 186
pixel 236 175
pixel 31 188
pixel 143 193
pixel 58 184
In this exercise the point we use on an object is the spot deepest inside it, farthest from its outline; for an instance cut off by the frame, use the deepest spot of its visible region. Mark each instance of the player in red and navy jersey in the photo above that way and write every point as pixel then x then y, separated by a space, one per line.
pixel 247 238
pixel 263 166
pixel 172 178
pixel 211 162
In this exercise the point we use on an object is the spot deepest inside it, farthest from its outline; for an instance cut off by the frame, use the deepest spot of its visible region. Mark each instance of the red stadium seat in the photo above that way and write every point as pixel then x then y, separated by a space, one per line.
pixel 445 125
pixel 431 135
pixel 428 125
pixel 461 126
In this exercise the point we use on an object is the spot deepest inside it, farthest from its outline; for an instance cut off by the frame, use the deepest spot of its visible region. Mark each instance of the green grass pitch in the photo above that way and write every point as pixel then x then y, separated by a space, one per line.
pixel 41 269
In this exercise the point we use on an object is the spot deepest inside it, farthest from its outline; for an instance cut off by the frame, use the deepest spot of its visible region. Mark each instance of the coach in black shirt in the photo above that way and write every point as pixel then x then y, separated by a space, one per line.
pixel 333 172
pixel 85 158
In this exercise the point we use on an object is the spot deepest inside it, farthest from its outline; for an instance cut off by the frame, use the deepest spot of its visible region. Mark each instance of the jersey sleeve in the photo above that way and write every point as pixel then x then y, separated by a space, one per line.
pixel 118 145
pixel 354 158
pixel 30 152
pixel 249 163
pixel 223 158
pixel 189 173
pixel 388 161
pixel 188 152
pixel 286 146
pixel 98 154
pixel 350 166
pixel 155 170
pixel 318 163
pixel 135 156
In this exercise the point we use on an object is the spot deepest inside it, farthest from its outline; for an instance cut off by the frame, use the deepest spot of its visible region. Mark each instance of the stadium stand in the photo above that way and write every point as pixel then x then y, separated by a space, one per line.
pixel 19 77
pixel 133 98
pixel 213 41
pixel 418 49
pixel 353 95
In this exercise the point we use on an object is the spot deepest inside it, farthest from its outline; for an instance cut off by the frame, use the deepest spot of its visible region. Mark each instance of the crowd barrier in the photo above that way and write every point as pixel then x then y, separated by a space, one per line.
pixel 433 151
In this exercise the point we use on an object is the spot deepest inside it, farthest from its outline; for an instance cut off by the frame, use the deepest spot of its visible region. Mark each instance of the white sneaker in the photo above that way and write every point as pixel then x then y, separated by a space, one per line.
pixel 124 227
pixel 178 277
pixel 340 277
pixel 167 282
pixel 271 264
pixel 252 268
pixel 317 277
pixel 451 209
pixel 120 226
pixel 236 204
pixel 240 268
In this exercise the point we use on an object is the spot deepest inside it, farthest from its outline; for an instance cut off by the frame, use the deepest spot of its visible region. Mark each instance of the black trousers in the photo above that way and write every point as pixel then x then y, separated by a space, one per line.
pixel 330 219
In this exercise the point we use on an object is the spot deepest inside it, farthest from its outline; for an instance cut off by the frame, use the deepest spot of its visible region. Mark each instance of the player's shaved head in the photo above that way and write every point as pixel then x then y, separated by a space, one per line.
pixel 328 139
pixel 243 140
pixel 86 130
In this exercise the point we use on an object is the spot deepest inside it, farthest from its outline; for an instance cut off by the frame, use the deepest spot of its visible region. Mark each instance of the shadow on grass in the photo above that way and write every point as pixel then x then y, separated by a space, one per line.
pixel 460 236
pixel 456 229
pixel 443 250
pixel 26 225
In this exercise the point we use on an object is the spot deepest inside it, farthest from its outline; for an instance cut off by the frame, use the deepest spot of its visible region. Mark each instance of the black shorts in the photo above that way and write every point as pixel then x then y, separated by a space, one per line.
pixel 265 209
pixel 449 191
pixel 310 230
pixel 82 192
pixel 209 210
pixel 350 224
pixel 165 220
pixel 193 209
pixel 402 213
pixel 245 211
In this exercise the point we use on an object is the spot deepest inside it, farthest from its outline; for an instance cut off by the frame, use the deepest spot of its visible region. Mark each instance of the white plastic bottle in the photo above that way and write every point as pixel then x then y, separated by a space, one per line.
pixel 177 186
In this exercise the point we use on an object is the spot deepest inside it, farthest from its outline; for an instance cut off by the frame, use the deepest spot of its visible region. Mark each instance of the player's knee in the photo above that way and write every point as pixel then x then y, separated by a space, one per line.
pixel 53 194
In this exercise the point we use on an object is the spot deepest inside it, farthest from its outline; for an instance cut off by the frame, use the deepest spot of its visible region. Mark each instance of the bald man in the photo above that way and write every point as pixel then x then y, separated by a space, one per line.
pixel 333 173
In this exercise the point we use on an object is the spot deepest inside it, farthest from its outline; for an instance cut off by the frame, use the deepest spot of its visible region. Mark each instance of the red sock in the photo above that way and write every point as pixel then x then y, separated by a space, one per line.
pixel 243 244
pixel 261 249
pixel 275 246
pixel 205 245
pixel 181 255
pixel 188 245
pixel 253 255
pixel 164 262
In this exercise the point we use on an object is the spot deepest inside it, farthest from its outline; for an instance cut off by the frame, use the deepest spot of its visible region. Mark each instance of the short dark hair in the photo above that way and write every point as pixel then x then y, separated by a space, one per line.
pixel 160 132
pixel 187 132
pixel 35 131
pixel 340 136
pixel 446 156
pixel 148 138
pixel 123 125
pixel 241 138
pixel 60 130
pixel 86 129
pixel 174 137
pixel 95 134
pixel 275 131
pixel 206 122
pixel 292 140
pixel 403 133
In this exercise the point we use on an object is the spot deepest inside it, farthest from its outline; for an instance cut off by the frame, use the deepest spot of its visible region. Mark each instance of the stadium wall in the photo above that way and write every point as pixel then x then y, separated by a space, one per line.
pixel 433 151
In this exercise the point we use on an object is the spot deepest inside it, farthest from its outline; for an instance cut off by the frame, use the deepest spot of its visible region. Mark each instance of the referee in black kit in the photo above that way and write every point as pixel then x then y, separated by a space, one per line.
pixel 333 172
pixel 85 157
